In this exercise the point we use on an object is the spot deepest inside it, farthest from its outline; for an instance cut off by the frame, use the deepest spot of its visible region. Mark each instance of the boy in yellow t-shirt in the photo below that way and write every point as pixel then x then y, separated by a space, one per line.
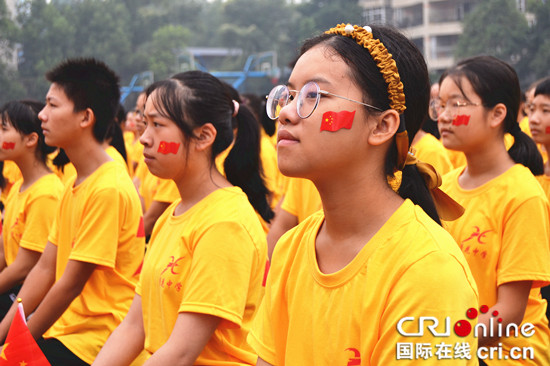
pixel 84 282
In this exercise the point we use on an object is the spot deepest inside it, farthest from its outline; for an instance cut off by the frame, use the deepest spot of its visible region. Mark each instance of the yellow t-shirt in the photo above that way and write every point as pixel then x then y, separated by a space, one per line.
pixel 410 268
pixel 301 198
pixel 209 260
pixel 166 191
pixel 11 174
pixel 544 181
pixel 504 234
pixel 29 215
pixel 98 222
pixel 272 176
pixel 134 150
pixel 116 156
pixel 524 126
pixel 68 173
pixel 430 150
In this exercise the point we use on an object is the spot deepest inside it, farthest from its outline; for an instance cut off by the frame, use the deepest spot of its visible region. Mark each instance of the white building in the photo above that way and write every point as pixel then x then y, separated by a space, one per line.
pixel 433 25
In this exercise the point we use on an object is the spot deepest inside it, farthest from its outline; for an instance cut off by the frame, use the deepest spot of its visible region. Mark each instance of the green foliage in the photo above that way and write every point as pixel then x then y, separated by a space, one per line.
pixel 12 88
pixel 537 58
pixel 47 37
pixel 137 35
pixel 163 48
pixel 496 28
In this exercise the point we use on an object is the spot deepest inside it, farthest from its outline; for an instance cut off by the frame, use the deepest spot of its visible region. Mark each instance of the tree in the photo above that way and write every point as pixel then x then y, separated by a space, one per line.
pixel 496 28
pixel 46 37
pixel 11 87
pixel 539 41
pixel 163 49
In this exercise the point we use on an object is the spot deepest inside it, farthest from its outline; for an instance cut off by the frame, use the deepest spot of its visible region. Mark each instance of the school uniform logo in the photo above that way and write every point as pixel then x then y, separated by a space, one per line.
pixel 166 279
pixel 355 360
pixel 474 244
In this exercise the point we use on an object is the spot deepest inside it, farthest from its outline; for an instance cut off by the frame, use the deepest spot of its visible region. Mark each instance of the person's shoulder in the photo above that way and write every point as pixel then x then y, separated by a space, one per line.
pixel 48 185
pixel 226 205
pixel 290 242
pixel 518 182
pixel 419 234
pixel 111 178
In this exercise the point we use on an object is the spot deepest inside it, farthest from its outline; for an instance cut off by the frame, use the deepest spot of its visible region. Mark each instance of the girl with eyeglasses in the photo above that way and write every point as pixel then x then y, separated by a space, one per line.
pixel 202 276
pixel 504 232
pixel 349 284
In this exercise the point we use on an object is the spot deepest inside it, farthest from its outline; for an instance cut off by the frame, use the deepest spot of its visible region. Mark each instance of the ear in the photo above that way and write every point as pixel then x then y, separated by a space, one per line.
pixel 87 118
pixel 497 115
pixel 386 127
pixel 205 136
pixel 31 140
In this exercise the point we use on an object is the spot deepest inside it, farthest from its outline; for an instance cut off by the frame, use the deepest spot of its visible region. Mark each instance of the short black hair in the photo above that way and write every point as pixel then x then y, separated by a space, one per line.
pixel 89 83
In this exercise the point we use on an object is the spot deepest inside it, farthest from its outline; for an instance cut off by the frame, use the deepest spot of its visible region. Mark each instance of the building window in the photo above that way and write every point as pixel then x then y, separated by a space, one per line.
pixel 410 16
pixel 443 46
pixel 374 16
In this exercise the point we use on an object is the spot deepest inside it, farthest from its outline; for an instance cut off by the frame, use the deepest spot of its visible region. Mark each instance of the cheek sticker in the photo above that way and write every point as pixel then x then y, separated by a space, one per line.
pixel 547 129
pixel 461 119
pixel 168 147
pixel 8 145
pixel 333 121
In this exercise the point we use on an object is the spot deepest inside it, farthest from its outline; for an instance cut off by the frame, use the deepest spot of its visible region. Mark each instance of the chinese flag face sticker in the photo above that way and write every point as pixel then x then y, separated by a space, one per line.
pixel 547 129
pixel 8 145
pixel 333 121
pixel 168 147
pixel 461 119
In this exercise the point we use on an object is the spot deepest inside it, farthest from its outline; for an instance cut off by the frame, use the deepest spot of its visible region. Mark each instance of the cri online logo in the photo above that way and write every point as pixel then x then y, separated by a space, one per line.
pixel 463 328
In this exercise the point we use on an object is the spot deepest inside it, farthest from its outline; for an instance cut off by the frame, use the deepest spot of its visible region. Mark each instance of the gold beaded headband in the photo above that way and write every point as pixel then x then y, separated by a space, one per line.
pixel 387 66
pixel 383 59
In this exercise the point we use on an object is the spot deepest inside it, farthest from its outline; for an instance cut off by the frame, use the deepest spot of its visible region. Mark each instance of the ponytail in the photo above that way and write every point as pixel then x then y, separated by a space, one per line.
pixel 60 160
pixel 413 186
pixel 114 133
pixel 524 151
pixel 243 167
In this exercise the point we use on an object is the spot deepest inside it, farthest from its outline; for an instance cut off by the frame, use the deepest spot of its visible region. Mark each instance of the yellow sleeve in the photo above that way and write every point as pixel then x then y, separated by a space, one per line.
pixel 97 238
pixel 525 254
pixel 40 215
pixel 224 251
pixel 166 191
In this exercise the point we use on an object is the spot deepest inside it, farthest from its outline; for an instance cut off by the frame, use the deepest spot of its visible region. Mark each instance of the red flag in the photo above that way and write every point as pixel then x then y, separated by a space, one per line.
pixel 266 271
pixel 333 121
pixel 20 348
pixel 168 147
pixel 141 229
pixel 461 119
pixel 548 129
pixel 8 145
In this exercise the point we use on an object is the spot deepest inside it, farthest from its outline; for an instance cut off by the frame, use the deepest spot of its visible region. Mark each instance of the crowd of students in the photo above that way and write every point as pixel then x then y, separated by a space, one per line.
pixel 202 236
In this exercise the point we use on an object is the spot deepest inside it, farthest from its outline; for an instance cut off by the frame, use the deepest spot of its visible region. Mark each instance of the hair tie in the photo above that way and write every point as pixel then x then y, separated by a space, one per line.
pixel 235 108
pixel 447 208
